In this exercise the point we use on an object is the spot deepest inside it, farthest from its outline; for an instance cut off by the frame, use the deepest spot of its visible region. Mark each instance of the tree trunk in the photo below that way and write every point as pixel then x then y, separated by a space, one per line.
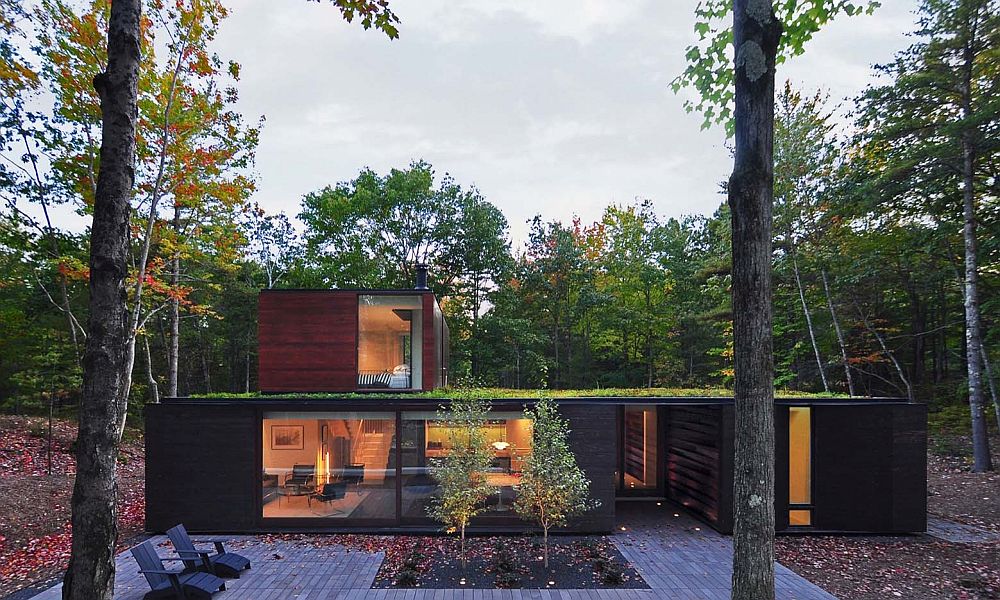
pixel 545 547
pixel 809 323
pixel 174 352
pixel 981 460
pixel 889 353
pixel 756 33
pixel 206 369
pixel 840 335
pixel 154 388
pixel 104 397
pixel 462 545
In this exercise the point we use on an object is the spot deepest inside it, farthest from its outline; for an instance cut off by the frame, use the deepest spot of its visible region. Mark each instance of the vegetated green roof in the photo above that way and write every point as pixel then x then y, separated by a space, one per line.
pixel 509 393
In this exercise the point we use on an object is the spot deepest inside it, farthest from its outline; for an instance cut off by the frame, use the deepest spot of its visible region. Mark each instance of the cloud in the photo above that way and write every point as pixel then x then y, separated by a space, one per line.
pixel 552 107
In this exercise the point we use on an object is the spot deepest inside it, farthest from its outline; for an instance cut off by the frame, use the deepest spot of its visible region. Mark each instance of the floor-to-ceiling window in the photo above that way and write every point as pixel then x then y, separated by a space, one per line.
pixel 424 439
pixel 390 341
pixel 799 466
pixel 329 465
pixel 343 465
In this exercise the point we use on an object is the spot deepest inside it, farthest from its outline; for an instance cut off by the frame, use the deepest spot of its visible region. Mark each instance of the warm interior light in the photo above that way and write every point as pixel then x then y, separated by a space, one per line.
pixel 500 446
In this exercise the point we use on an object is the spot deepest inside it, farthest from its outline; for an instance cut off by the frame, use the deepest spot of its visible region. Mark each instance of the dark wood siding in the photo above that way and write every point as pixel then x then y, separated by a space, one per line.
pixel 869 468
pixel 308 341
pixel 693 445
pixel 909 468
pixel 202 467
pixel 594 440
pixel 781 459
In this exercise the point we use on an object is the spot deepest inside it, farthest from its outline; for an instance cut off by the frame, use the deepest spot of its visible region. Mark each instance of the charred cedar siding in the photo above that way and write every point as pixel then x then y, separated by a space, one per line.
pixel 695 461
pixel 594 441
pixel 308 341
pixel 869 468
pixel 202 467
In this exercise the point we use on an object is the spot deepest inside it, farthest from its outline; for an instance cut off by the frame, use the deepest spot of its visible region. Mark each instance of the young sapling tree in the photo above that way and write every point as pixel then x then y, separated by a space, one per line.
pixel 553 488
pixel 461 473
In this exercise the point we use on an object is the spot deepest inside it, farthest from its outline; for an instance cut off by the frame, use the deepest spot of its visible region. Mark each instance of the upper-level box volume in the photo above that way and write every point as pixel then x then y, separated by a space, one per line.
pixel 352 340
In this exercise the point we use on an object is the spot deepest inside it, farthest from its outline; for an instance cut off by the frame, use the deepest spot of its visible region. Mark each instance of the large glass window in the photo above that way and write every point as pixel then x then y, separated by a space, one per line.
pixel 390 342
pixel 799 466
pixel 424 438
pixel 640 445
pixel 329 465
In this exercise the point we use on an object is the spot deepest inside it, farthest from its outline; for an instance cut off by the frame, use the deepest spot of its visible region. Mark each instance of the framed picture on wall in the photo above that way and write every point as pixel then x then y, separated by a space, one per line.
pixel 287 437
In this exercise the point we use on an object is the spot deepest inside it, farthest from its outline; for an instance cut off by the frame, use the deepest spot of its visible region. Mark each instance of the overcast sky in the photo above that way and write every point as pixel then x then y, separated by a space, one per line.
pixel 550 107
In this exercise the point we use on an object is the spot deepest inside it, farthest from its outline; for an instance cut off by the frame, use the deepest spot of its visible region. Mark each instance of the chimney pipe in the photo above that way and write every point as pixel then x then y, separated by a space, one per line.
pixel 421 277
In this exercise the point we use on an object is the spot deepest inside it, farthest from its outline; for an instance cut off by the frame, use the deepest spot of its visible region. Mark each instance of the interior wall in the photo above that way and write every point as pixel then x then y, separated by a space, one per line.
pixel 285 459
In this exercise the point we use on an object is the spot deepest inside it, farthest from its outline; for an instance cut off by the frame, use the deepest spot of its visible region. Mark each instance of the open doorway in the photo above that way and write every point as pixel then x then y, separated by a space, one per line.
pixel 640 467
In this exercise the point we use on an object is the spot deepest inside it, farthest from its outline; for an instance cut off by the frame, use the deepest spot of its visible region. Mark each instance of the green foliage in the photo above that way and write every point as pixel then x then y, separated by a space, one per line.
pixel 709 64
pixel 461 473
pixel 553 488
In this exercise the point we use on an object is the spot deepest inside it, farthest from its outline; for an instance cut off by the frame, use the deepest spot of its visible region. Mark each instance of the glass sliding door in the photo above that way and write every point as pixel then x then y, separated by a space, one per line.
pixel 425 439
pixel 390 342
pixel 336 465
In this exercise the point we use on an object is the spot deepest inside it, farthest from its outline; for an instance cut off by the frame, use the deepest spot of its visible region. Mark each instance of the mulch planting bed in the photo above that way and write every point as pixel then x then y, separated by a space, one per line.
pixel 509 562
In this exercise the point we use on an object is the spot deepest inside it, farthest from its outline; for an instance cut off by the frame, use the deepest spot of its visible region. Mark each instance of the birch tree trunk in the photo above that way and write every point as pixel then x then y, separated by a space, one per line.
pixel 756 33
pixel 91 572
pixel 173 354
pixel 889 353
pixel 981 460
pixel 840 335
pixel 809 323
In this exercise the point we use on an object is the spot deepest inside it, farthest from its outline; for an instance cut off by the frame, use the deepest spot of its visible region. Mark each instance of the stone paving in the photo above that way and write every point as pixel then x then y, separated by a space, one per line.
pixel 950 531
pixel 678 556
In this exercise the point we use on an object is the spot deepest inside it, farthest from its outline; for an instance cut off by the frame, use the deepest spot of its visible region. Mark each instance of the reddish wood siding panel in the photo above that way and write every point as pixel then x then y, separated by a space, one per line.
pixel 308 341
pixel 428 346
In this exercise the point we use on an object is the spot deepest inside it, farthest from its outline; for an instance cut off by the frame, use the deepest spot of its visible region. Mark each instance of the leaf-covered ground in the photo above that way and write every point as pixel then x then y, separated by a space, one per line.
pixel 879 567
pixel 35 506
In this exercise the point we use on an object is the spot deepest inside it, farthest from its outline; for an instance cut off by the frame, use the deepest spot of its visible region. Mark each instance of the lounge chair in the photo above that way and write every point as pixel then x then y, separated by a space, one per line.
pixel 353 474
pixel 331 492
pixel 301 476
pixel 165 583
pixel 222 563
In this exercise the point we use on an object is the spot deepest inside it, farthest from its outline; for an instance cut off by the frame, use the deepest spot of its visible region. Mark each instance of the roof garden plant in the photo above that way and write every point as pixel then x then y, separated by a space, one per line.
pixel 493 393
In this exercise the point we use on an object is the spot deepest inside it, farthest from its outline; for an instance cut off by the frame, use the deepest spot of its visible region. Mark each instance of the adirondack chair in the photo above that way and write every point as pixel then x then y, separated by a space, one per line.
pixel 165 583
pixel 222 563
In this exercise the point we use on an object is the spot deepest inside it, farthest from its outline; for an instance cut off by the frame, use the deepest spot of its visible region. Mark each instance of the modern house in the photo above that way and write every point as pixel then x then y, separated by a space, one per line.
pixel 337 440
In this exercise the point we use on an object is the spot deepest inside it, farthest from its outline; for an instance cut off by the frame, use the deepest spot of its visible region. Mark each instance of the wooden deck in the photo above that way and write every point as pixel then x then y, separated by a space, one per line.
pixel 678 556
